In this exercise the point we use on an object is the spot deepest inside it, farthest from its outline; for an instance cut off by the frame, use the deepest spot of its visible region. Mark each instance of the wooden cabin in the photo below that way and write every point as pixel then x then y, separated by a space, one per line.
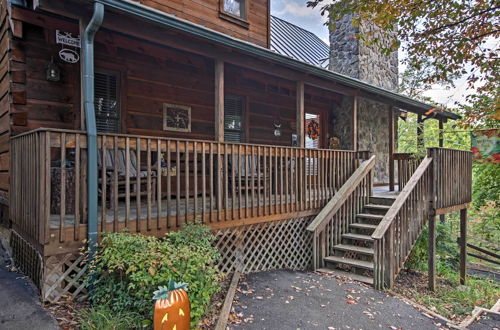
pixel 198 120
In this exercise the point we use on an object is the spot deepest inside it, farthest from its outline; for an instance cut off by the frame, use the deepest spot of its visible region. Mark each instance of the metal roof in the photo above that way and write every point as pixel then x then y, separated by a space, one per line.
pixel 293 41
pixel 173 22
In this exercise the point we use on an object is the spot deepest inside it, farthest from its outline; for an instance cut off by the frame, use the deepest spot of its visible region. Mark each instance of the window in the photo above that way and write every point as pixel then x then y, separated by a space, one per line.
pixel 235 7
pixel 106 102
pixel 233 118
pixel 313 132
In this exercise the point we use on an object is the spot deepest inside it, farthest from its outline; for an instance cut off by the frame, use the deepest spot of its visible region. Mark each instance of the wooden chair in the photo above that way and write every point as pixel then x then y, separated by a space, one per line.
pixel 134 172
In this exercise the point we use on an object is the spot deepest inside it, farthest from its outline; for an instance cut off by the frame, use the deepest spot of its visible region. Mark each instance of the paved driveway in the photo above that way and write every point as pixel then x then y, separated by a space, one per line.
pixel 300 300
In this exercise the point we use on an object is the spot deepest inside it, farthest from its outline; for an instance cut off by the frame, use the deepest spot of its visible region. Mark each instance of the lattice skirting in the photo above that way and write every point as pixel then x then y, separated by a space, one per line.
pixel 26 258
pixel 264 246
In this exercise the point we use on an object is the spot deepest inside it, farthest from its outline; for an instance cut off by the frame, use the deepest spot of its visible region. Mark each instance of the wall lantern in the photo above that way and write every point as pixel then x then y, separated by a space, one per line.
pixel 53 71
pixel 403 115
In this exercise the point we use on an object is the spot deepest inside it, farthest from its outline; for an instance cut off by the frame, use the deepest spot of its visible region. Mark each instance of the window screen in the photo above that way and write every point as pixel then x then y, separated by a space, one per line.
pixel 106 100
pixel 233 118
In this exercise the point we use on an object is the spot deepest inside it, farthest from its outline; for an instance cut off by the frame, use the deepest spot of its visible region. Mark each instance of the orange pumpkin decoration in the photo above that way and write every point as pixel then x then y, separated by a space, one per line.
pixel 172 307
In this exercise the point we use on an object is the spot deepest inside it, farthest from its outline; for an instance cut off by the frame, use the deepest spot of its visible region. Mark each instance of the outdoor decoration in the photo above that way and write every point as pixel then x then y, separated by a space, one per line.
pixel 334 143
pixel 313 129
pixel 172 309
pixel 485 146
pixel 176 117
pixel 69 55
pixel 53 71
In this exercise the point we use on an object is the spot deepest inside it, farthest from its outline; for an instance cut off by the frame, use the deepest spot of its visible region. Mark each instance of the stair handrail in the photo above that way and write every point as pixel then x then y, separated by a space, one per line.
pixel 400 227
pixel 388 218
pixel 348 200
pixel 319 222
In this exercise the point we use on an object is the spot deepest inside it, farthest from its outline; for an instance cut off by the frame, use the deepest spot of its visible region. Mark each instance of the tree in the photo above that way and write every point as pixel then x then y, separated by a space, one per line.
pixel 443 39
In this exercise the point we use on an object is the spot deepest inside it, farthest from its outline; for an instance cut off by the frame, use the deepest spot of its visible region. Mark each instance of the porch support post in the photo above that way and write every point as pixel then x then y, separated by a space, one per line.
pixel 300 114
pixel 432 252
pixel 442 217
pixel 219 100
pixel 463 245
pixel 355 123
pixel 420 133
pixel 391 148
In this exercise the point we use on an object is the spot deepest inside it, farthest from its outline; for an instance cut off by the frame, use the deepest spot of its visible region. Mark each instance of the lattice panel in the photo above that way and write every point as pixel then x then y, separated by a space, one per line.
pixel 26 258
pixel 63 276
pixel 265 246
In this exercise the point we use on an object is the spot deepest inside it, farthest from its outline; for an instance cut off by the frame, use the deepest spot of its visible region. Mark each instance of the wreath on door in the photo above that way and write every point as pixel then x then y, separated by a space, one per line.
pixel 313 129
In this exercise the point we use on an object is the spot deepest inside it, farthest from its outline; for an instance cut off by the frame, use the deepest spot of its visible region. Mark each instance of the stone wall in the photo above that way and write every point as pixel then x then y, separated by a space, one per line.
pixel 373 135
pixel 342 123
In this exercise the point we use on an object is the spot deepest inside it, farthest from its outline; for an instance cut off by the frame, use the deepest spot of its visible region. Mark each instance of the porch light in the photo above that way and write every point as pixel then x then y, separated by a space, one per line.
pixel 403 115
pixel 53 71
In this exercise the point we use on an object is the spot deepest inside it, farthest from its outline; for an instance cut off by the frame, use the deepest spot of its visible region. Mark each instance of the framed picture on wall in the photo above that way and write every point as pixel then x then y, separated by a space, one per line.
pixel 176 117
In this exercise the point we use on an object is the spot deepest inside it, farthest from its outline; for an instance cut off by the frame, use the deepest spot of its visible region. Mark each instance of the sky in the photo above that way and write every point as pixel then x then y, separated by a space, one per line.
pixel 296 12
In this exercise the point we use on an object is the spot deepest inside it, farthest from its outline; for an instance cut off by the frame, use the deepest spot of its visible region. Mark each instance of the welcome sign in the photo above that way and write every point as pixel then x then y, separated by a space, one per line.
pixel 485 146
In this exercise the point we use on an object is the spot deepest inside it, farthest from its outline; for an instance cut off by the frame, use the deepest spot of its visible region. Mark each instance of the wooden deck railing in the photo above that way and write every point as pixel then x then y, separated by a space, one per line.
pixel 453 175
pixel 398 231
pixel 334 219
pixel 152 185
pixel 407 163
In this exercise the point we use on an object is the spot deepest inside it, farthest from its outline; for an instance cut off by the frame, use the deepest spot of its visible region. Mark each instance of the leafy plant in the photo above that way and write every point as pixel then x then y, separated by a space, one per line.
pixel 103 318
pixel 128 268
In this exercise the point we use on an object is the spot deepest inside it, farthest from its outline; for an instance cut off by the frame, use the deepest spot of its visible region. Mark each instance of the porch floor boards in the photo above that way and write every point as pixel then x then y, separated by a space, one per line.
pixel 276 199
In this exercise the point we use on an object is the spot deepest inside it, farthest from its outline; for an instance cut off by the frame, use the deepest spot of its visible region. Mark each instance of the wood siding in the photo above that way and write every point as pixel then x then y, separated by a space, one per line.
pixel 5 87
pixel 206 13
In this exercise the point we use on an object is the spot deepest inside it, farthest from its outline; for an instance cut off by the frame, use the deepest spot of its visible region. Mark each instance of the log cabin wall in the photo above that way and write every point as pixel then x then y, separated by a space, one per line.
pixel 5 87
pixel 254 29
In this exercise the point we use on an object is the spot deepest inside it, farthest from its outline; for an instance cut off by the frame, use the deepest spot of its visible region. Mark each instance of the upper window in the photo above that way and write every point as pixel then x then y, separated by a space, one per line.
pixel 235 7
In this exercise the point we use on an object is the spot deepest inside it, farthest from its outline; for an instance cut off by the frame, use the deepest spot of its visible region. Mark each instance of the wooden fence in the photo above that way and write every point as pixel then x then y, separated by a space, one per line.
pixel 407 163
pixel 152 185
pixel 453 175
pixel 399 229
pixel 334 219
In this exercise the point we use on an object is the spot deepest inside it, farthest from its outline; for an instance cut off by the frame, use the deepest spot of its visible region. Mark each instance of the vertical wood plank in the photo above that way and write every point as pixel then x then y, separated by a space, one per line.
pixel 432 253
pixel 463 245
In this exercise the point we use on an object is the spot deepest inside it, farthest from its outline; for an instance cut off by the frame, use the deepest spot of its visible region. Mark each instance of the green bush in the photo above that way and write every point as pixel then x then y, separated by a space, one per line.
pixel 447 250
pixel 128 267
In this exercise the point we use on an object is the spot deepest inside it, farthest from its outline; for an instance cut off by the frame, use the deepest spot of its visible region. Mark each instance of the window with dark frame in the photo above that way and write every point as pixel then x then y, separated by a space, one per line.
pixel 235 8
pixel 107 102
pixel 233 118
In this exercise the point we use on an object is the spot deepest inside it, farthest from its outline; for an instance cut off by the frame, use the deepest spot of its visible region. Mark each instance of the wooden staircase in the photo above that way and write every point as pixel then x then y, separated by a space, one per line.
pixel 353 257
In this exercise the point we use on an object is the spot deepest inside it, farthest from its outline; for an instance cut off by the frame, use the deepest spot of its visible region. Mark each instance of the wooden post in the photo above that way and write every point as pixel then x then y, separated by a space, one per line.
pixel 355 123
pixel 219 100
pixel 420 132
pixel 300 114
pixel 442 217
pixel 463 245
pixel 391 148
pixel 432 253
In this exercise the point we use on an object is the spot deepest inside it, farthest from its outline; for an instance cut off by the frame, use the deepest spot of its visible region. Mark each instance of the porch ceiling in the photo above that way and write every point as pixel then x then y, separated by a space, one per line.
pixel 309 71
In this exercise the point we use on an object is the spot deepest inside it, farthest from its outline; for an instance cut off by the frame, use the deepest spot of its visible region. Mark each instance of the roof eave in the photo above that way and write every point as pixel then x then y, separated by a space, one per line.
pixel 171 21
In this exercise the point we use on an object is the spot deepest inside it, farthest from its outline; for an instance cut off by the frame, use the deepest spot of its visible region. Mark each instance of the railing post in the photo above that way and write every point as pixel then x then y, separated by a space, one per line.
pixel 463 245
pixel 315 251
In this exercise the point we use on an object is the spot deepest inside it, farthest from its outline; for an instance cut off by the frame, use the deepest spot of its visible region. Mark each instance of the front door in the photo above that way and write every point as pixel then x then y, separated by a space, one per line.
pixel 313 134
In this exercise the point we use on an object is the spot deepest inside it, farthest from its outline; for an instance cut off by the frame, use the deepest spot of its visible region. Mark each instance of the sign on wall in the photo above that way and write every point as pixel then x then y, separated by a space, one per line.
pixel 485 146
pixel 67 39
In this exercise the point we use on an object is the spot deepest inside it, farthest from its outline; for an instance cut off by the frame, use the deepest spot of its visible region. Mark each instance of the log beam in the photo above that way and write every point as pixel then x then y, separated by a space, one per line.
pixel 300 114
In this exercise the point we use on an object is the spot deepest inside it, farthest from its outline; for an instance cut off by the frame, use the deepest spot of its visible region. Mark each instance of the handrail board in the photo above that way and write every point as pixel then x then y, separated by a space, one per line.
pixel 319 222
pixel 401 199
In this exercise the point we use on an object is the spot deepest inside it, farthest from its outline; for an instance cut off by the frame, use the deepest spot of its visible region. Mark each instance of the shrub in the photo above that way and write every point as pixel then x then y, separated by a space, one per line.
pixel 128 267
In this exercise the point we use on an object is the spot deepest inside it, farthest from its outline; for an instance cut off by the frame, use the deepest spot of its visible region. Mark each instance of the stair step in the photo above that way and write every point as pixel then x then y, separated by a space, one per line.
pixel 356 277
pixel 354 248
pixel 350 262
pixel 382 200
pixel 358 237
pixel 378 207
pixel 370 216
pixel 363 226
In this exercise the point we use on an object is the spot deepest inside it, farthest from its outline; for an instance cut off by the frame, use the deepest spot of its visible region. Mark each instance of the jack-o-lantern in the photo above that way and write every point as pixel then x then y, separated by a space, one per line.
pixel 172 307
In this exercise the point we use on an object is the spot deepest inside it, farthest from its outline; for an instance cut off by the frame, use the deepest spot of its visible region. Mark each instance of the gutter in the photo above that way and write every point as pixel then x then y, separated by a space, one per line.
pixel 168 20
pixel 88 101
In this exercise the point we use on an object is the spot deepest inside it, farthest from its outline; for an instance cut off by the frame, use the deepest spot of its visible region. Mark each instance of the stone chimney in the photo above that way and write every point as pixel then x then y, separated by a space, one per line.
pixel 352 57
